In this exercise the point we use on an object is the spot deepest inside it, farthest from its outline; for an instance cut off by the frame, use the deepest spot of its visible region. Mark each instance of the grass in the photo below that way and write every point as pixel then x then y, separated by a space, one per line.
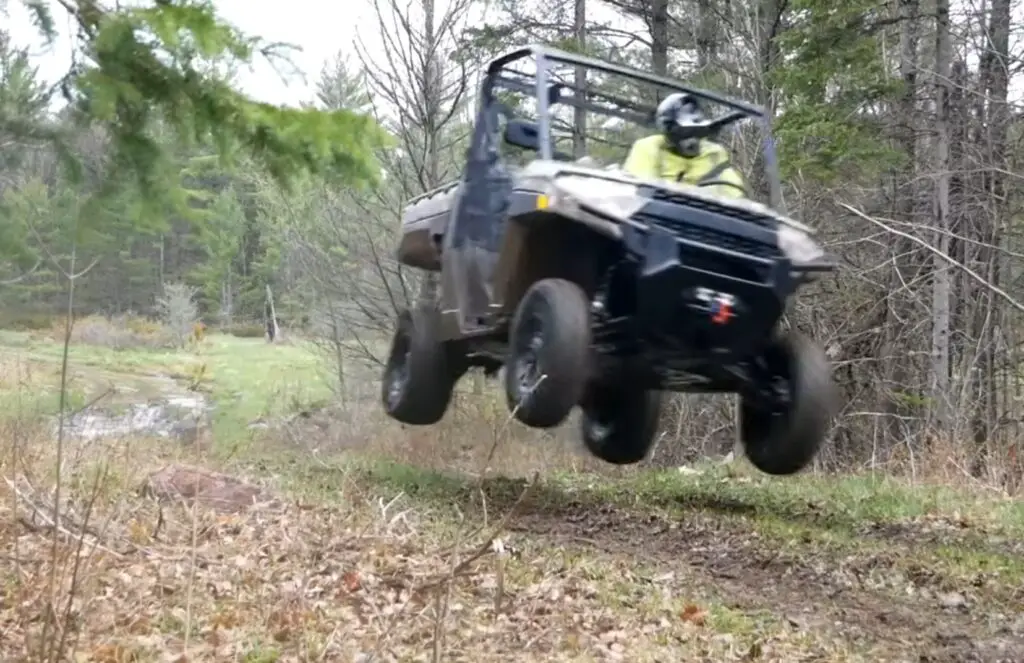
pixel 376 552
pixel 245 378
pixel 959 533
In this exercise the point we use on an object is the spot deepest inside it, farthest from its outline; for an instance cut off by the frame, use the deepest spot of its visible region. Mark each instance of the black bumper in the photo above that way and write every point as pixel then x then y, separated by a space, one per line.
pixel 699 297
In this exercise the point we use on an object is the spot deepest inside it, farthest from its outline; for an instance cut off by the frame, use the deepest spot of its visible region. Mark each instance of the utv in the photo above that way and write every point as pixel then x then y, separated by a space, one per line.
pixel 595 289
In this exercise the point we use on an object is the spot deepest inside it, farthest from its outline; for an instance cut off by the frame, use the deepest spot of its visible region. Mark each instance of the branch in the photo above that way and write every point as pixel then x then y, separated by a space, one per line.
pixel 920 242
pixel 22 277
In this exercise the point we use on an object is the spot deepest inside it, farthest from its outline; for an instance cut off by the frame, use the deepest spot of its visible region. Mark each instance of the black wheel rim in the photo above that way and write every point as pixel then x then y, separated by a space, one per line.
pixel 599 415
pixel 597 431
pixel 773 390
pixel 527 346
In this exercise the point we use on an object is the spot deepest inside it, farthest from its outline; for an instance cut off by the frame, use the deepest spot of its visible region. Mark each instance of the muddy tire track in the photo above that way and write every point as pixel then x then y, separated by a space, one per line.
pixel 812 590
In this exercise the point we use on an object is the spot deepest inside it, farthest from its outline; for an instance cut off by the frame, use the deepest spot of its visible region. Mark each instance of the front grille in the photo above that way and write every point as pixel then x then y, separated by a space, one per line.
pixel 717 263
pixel 717 238
pixel 763 220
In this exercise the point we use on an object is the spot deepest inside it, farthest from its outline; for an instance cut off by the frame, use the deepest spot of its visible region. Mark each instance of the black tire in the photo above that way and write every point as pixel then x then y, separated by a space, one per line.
pixel 784 439
pixel 420 373
pixel 550 337
pixel 619 425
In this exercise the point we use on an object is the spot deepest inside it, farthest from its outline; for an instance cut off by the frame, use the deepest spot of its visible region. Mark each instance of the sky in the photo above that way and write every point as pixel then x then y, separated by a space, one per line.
pixel 320 27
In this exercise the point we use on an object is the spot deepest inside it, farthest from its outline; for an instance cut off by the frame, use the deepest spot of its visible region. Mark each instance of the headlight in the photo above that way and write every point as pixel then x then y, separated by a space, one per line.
pixel 617 199
pixel 798 246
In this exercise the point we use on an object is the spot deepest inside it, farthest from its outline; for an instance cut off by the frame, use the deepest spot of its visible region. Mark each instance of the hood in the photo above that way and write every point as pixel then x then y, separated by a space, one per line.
pixel 548 170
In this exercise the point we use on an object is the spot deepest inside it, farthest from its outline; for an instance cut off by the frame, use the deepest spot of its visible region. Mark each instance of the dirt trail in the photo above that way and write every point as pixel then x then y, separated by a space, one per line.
pixel 928 622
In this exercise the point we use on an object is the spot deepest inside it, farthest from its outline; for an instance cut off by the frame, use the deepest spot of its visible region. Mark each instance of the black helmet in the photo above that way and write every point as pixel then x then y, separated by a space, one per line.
pixel 677 117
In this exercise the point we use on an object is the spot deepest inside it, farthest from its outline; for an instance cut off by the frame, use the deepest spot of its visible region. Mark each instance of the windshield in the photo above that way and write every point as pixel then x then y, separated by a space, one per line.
pixel 594 116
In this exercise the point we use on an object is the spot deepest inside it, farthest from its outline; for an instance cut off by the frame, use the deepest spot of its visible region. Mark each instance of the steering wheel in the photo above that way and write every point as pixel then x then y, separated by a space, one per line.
pixel 739 187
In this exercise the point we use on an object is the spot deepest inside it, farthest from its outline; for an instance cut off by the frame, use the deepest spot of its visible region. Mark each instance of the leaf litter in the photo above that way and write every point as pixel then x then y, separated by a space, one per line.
pixel 183 581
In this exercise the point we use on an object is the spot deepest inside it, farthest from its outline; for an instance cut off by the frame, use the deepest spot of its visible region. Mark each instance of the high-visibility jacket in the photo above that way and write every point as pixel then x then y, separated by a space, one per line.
pixel 710 169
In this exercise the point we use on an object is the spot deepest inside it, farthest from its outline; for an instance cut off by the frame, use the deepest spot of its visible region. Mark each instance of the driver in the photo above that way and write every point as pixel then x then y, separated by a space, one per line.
pixel 680 154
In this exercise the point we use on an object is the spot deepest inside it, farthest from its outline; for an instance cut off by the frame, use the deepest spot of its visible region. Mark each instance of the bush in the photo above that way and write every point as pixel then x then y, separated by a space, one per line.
pixel 118 333
pixel 244 330
pixel 179 312
pixel 26 320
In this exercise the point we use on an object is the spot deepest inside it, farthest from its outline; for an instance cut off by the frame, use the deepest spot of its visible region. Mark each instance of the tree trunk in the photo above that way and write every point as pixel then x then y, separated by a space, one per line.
pixel 993 70
pixel 706 35
pixel 659 37
pixel 273 330
pixel 942 282
pixel 579 123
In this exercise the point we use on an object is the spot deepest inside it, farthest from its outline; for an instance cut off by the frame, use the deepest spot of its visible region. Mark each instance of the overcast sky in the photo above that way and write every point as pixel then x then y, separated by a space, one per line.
pixel 320 27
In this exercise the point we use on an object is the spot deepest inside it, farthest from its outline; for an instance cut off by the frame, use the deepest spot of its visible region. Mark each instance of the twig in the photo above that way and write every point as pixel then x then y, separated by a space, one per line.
pixel 959 265
pixel 50 524
pixel 483 548
pixel 457 571
pixel 24 275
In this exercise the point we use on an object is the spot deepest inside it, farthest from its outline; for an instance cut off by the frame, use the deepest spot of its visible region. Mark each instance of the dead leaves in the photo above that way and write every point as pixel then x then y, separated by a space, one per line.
pixel 336 584
pixel 109 653
pixel 350 581
pixel 694 615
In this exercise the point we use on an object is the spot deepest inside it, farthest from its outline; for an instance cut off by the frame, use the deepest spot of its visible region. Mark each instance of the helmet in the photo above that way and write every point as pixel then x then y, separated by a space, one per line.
pixel 677 116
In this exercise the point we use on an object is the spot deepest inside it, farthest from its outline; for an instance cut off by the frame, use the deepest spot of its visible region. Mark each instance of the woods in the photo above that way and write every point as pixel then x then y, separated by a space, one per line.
pixel 898 128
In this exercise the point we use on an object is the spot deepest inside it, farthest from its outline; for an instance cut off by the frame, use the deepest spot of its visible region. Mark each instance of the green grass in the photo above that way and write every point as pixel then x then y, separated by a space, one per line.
pixel 248 379
pixel 838 503
pixel 956 533
pixel 244 378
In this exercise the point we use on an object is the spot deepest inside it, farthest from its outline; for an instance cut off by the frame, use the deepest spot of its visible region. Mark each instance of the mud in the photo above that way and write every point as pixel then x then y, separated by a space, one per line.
pixel 169 411
pixel 897 618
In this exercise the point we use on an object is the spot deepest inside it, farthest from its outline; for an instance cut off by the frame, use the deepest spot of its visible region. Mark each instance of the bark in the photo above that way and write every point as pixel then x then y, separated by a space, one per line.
pixel 941 283
pixel 579 123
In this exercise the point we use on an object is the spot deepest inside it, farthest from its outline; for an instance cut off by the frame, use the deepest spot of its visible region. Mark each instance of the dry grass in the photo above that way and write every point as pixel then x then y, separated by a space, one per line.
pixel 346 558
pixel 362 570
pixel 123 332
pixel 124 577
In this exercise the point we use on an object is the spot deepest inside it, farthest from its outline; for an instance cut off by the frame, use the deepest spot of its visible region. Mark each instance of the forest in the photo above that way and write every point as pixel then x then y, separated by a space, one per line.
pixel 898 131
pixel 169 216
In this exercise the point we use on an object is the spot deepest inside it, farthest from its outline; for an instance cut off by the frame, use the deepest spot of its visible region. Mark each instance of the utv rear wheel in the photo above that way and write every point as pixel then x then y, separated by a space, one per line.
pixel 549 346
pixel 420 373
pixel 783 430
pixel 619 424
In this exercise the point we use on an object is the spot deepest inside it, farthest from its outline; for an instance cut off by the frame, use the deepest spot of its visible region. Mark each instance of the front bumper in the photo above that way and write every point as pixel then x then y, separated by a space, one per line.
pixel 707 297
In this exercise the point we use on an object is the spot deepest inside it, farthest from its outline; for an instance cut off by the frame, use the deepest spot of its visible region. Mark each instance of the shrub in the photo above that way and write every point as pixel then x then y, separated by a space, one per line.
pixel 118 332
pixel 179 312
pixel 244 330
pixel 26 320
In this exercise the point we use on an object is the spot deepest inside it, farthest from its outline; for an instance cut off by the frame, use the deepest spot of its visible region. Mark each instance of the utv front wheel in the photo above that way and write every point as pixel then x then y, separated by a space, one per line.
pixel 549 346
pixel 619 424
pixel 419 374
pixel 783 427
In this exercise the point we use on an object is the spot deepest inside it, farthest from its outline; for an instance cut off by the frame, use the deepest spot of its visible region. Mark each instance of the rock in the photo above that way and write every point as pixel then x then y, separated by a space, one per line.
pixel 953 601
pixel 194 485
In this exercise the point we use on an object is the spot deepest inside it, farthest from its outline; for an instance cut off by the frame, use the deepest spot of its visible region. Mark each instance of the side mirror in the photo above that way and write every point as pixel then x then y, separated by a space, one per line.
pixel 522 133
pixel 555 93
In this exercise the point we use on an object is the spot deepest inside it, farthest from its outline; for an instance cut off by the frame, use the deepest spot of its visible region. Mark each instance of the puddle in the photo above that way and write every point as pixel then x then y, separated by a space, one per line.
pixel 172 415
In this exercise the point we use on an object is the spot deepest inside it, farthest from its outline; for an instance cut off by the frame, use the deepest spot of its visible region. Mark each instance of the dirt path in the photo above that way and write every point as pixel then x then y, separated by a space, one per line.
pixel 927 621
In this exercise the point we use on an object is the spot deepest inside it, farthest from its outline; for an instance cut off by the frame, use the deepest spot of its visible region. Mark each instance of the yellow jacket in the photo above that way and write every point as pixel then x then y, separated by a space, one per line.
pixel 650 158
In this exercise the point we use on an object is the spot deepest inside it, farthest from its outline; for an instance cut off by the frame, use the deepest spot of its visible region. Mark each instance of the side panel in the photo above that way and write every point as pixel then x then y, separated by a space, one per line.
pixel 424 222
pixel 539 245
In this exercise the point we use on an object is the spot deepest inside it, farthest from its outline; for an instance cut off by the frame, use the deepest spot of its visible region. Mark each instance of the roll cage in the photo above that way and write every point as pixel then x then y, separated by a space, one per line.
pixel 500 75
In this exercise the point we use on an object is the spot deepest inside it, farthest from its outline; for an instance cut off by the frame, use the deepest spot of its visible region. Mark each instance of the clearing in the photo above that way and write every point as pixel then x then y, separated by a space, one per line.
pixel 351 553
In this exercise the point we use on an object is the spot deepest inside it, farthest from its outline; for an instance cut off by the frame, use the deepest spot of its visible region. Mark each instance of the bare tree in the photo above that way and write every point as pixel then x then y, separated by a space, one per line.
pixel 942 282
pixel 419 86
